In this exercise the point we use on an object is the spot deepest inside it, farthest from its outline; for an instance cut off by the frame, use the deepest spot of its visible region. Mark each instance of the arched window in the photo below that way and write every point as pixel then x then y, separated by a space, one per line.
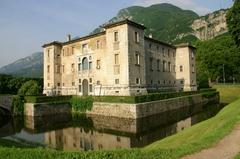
pixel 85 64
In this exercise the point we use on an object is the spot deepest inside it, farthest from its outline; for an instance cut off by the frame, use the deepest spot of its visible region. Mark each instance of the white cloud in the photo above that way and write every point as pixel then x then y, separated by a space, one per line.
pixel 184 4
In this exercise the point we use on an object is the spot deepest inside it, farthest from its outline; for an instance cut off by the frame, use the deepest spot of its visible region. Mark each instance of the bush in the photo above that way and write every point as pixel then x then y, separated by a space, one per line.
pixel 30 88
pixel 81 104
pixel 18 105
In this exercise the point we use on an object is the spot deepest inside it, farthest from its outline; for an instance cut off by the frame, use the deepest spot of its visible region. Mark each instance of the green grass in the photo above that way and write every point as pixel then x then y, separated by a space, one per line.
pixel 228 93
pixel 191 140
pixel 237 157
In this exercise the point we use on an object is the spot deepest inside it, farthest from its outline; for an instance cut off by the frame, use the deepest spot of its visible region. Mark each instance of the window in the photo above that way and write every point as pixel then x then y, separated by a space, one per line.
pixel 90 88
pixel 150 46
pixel 181 68
pixel 115 36
pixel 137 58
pixel 73 50
pixel 48 53
pixel 85 63
pixel 63 84
pixel 192 55
pixel 90 80
pixel 164 66
pixel 151 82
pixel 151 64
pixel 90 65
pixel 79 66
pixel 193 68
pixel 48 69
pixel 136 37
pixel 169 66
pixel 116 81
pixel 163 51
pixel 98 64
pixel 80 81
pixel 73 83
pixel 181 82
pixel 48 84
pixel 98 44
pixel 84 48
pixel 58 84
pixel 158 65
pixel 137 80
pixel 116 59
pixel 72 67
pixel 98 83
pixel 80 88
pixel 58 69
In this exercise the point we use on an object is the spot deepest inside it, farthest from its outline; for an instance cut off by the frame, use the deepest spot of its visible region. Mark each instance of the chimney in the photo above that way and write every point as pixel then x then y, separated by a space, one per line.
pixel 68 37
pixel 150 35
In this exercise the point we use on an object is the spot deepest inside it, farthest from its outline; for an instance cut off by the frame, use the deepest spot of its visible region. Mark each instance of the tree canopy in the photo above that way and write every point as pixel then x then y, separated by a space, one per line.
pixel 233 22
pixel 30 88
pixel 217 57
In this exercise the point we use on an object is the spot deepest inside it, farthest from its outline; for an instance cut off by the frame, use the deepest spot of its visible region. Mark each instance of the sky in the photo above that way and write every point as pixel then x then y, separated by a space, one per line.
pixel 25 25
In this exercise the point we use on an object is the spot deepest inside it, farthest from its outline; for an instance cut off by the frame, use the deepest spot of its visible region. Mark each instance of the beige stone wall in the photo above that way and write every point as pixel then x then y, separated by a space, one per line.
pixel 148 109
pixel 156 76
pixel 186 79
pixel 34 110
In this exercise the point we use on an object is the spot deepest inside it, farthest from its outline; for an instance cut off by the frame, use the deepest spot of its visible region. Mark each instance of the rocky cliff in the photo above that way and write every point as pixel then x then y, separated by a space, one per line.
pixel 211 25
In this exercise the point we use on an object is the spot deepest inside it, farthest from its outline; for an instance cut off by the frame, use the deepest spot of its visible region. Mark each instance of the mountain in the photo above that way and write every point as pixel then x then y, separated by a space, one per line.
pixel 172 24
pixel 30 66
pixel 164 21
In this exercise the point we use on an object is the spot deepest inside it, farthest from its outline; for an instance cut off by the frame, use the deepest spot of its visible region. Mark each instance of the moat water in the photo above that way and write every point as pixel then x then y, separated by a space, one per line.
pixel 84 133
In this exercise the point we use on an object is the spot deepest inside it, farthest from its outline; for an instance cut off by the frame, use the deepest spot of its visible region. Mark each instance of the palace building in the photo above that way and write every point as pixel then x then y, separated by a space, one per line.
pixel 119 61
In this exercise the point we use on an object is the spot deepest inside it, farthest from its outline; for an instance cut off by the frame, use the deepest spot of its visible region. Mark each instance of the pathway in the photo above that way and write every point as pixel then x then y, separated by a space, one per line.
pixel 227 148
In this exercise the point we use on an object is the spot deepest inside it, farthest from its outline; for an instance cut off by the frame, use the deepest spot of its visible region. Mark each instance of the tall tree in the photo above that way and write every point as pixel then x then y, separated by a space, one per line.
pixel 233 21
pixel 218 59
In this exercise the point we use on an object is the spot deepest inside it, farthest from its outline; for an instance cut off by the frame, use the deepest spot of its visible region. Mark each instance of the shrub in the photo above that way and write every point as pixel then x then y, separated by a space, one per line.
pixel 18 105
pixel 81 104
pixel 30 88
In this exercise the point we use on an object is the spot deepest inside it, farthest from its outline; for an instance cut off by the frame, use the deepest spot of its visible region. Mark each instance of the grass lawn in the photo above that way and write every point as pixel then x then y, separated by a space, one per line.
pixel 228 93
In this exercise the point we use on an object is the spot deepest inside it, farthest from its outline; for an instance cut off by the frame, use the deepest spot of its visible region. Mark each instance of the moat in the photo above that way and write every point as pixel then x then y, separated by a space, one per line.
pixel 83 133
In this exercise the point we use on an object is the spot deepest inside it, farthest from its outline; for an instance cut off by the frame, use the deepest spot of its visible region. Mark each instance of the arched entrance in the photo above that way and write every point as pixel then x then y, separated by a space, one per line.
pixel 85 87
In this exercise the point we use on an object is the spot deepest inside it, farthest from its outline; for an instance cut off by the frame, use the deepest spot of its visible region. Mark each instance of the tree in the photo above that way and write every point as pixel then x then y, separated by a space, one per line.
pixel 233 22
pixel 30 88
pixel 213 55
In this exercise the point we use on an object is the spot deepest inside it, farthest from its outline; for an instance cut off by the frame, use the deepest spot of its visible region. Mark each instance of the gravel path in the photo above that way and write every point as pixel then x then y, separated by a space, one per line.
pixel 227 148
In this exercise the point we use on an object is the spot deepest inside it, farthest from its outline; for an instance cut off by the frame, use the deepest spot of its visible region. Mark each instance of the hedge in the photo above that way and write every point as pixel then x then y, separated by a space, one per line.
pixel 47 99
pixel 76 101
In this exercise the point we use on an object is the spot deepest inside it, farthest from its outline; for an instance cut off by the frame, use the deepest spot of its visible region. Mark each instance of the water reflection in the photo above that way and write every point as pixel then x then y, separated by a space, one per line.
pixel 76 133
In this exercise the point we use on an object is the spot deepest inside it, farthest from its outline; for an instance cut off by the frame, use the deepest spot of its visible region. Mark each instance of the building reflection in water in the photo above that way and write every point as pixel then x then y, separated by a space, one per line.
pixel 115 133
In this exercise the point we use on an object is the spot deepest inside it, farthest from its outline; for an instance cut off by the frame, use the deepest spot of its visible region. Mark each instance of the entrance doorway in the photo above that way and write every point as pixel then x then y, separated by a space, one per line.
pixel 85 87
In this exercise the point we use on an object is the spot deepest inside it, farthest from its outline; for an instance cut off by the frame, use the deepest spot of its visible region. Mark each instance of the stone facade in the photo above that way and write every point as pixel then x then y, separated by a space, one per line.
pixel 119 61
